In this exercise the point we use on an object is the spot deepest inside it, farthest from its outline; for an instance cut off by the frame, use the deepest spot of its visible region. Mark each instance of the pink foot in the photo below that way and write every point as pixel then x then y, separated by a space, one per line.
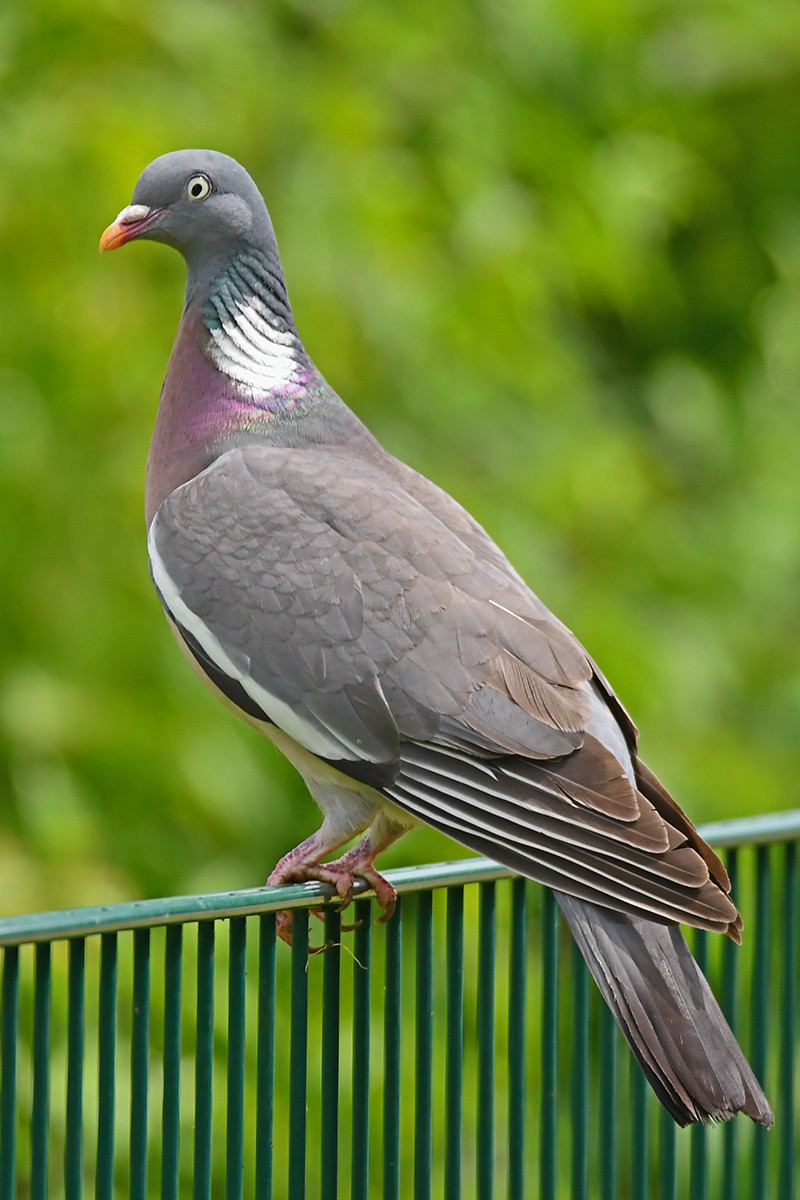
pixel 284 926
pixel 341 875
pixel 350 868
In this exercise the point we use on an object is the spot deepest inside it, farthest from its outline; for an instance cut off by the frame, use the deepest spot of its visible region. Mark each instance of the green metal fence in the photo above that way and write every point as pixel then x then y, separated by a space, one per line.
pixel 170 1048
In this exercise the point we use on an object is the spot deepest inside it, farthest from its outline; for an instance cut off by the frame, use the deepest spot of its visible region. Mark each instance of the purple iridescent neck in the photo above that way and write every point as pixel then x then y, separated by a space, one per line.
pixel 239 375
pixel 204 412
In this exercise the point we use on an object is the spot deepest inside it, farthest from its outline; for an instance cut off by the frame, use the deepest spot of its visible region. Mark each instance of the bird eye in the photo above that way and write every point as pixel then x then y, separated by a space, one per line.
pixel 198 187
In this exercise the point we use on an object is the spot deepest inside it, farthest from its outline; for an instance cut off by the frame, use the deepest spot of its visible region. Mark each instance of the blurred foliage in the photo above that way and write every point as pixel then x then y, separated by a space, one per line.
pixel 549 251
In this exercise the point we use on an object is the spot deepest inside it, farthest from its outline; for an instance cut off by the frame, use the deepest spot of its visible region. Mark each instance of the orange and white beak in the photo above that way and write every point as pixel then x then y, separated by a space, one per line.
pixel 130 223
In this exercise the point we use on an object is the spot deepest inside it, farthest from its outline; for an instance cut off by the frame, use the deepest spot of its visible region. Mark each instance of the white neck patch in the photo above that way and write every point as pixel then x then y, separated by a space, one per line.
pixel 252 339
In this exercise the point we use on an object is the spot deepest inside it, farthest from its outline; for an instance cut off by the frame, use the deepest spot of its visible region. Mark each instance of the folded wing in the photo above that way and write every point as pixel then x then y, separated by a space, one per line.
pixel 324 597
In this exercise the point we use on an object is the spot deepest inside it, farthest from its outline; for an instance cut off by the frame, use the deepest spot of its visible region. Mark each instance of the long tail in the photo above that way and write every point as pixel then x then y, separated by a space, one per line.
pixel 667 1011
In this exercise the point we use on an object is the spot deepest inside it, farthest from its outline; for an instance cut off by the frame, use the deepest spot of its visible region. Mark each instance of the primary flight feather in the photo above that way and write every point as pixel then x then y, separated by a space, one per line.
pixel 362 619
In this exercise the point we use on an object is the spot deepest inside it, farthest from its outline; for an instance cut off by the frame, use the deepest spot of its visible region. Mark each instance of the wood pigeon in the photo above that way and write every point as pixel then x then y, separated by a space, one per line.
pixel 358 616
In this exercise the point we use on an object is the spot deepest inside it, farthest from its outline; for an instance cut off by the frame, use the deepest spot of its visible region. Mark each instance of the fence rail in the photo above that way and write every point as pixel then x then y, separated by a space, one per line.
pixel 171 1048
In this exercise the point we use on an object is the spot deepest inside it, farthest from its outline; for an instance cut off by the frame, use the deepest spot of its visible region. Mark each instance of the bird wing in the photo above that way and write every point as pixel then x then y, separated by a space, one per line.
pixel 321 595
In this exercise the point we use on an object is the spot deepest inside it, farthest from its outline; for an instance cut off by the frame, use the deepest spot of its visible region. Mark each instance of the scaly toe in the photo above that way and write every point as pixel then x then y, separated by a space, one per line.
pixel 283 925
pixel 385 893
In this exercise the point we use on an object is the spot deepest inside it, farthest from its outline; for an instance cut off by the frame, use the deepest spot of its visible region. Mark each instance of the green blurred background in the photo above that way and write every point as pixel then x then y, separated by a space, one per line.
pixel 549 251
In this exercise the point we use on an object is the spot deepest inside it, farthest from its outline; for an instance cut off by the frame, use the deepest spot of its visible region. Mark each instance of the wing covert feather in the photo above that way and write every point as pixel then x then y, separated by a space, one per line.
pixel 315 579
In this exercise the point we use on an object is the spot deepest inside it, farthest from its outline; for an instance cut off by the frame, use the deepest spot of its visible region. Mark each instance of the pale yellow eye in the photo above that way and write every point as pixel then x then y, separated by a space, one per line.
pixel 198 187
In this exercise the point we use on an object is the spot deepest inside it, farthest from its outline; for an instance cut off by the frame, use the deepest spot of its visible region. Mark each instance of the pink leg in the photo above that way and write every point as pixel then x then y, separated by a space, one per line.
pixel 299 864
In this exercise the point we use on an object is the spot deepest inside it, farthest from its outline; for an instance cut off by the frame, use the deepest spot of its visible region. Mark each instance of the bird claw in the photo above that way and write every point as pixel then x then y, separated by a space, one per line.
pixel 284 924
pixel 341 875
pixel 345 900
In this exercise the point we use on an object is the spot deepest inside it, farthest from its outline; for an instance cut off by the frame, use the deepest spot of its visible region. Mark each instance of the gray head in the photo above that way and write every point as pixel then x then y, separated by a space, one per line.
pixel 201 202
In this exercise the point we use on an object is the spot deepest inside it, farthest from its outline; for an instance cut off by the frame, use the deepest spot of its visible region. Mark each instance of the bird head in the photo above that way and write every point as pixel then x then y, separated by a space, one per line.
pixel 193 200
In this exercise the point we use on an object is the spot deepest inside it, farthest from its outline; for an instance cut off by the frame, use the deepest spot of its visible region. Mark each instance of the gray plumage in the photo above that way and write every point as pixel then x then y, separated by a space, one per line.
pixel 362 619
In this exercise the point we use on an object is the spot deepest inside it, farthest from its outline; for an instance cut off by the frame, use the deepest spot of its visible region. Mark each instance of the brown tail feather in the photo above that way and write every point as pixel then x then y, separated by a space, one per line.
pixel 666 1010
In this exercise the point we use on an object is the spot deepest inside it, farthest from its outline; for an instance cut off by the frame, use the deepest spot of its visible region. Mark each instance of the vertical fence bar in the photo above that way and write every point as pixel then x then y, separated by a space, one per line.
pixel 392 1054
pixel 698 1157
pixel 204 1062
pixel 517 1055
pixel 580 1076
pixel 789 1046
pixel 454 1083
pixel 106 1067
pixel 73 1148
pixel 607 1122
pixel 668 1165
pixel 763 992
pixel 487 943
pixel 8 1073
pixel 140 1064
pixel 548 1162
pixel 298 1056
pixel 640 1184
pixel 40 1115
pixel 362 979
pixel 730 963
pixel 423 1090
pixel 331 978
pixel 171 1100
pixel 237 975
pixel 265 1056
pixel 760 1009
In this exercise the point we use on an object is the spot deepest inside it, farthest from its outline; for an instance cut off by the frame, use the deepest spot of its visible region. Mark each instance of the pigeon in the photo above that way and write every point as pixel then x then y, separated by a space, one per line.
pixel 359 617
